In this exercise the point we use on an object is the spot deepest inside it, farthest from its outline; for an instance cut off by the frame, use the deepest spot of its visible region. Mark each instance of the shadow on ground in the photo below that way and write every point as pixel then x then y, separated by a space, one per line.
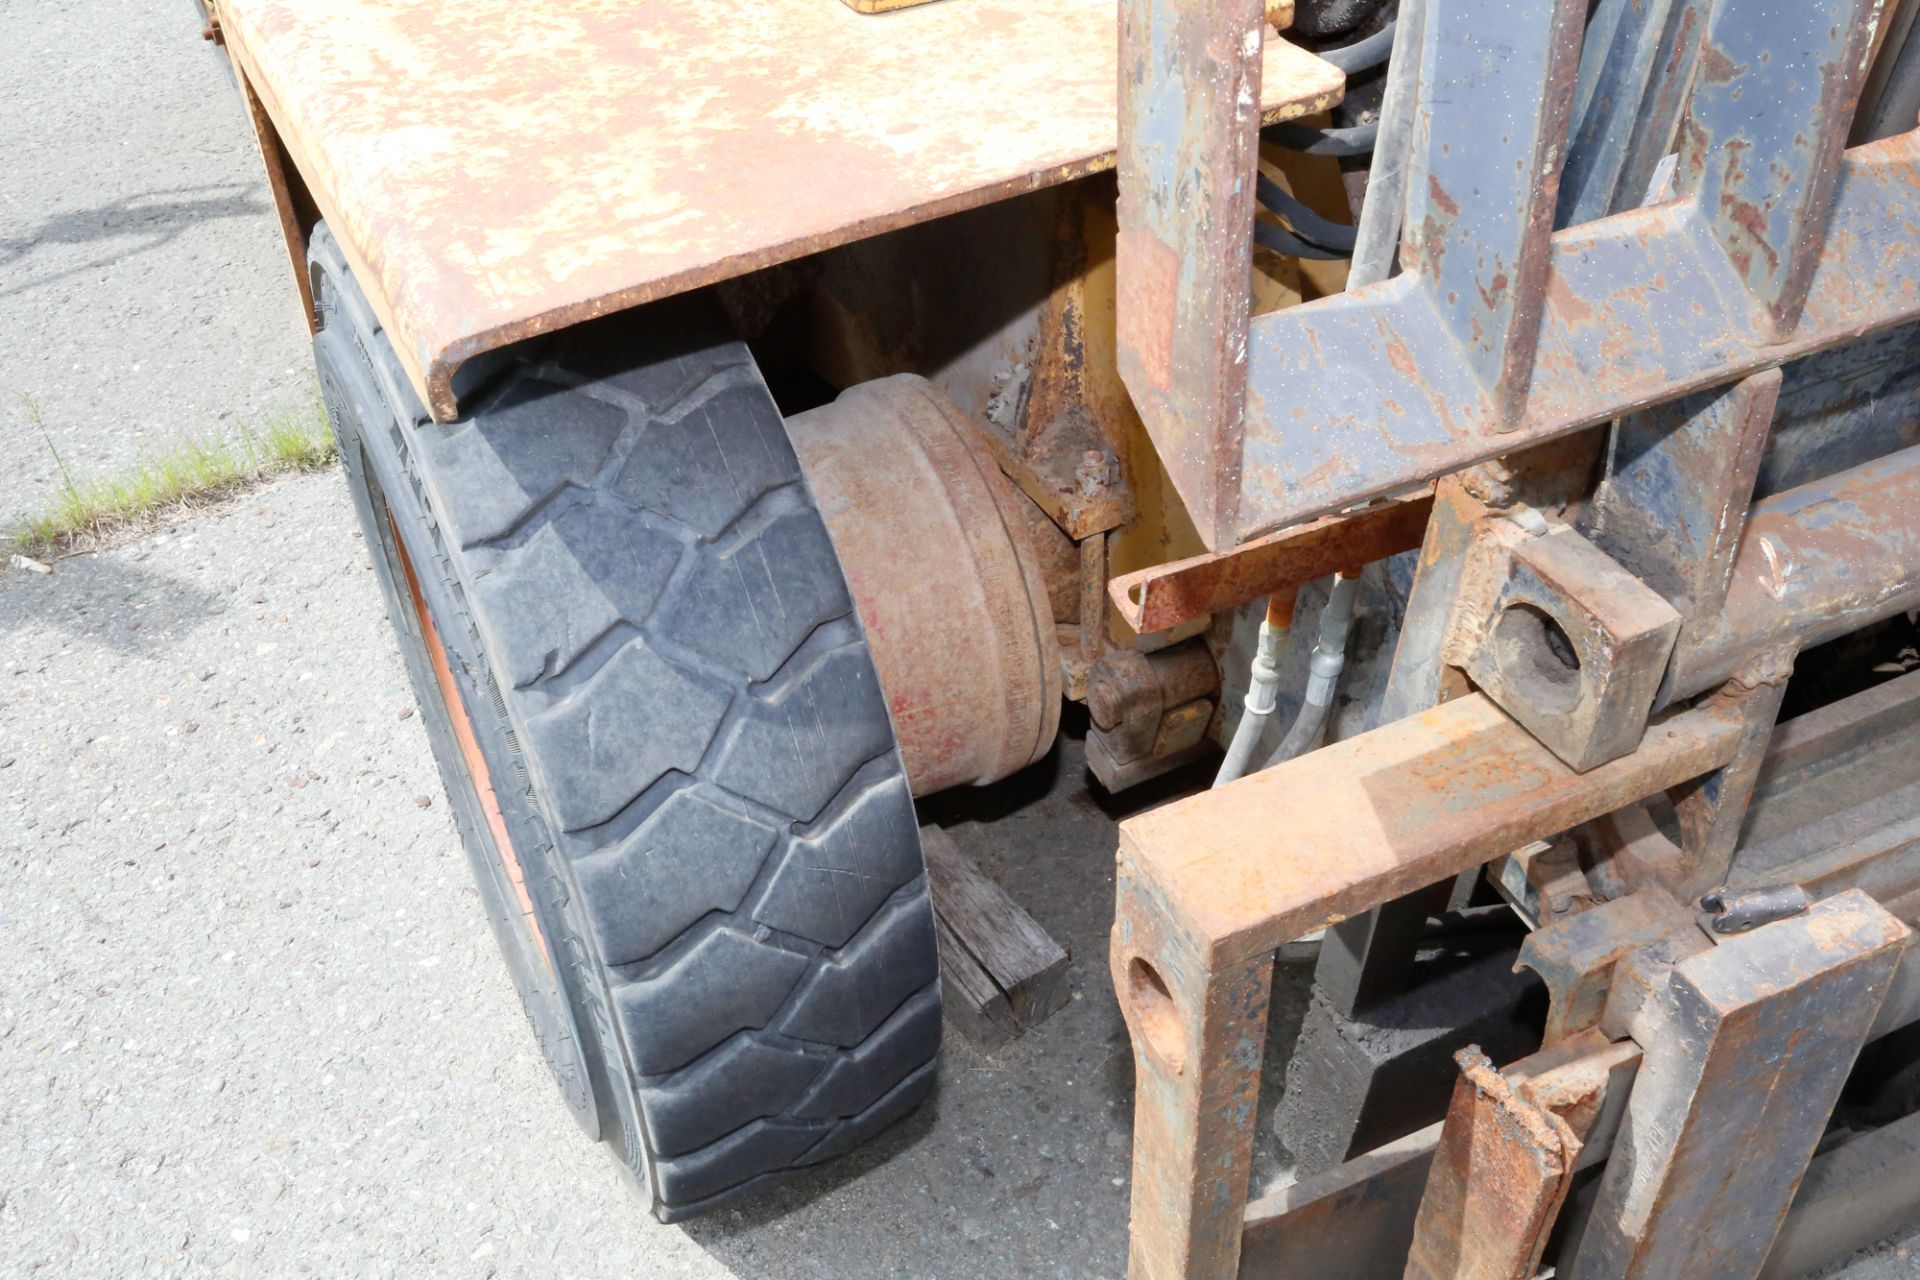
pixel 147 221
pixel 107 600
pixel 1020 1165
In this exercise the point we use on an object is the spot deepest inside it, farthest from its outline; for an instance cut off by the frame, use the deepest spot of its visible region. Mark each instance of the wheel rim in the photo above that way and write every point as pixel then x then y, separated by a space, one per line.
pixel 498 839
pixel 499 867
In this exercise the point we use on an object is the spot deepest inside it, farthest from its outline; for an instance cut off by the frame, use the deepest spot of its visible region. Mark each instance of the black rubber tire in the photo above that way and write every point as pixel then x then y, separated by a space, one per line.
pixel 656 649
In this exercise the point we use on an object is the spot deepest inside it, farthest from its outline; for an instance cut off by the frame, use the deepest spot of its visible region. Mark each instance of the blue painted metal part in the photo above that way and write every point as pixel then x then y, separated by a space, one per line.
pixel 1497 336
pixel 1356 395
pixel 1677 484
pixel 1481 183
pixel 1188 147
pixel 1843 407
pixel 1773 96
pixel 1635 69
pixel 1814 563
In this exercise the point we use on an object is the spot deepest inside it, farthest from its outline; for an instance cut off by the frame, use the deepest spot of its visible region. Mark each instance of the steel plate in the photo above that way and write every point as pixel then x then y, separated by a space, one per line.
pixel 497 169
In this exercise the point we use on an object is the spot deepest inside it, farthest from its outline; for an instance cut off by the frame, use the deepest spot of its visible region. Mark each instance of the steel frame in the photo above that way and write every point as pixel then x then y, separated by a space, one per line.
pixel 1210 886
pixel 477 215
pixel 1501 332
pixel 1556 276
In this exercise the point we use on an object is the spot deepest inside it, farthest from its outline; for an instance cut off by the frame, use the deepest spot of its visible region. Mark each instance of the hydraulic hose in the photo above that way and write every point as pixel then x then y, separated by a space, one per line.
pixel 1364 54
pixel 1281 240
pixel 1356 140
pixel 1380 215
pixel 1260 693
pixel 1376 240
pixel 1322 232
pixel 1323 671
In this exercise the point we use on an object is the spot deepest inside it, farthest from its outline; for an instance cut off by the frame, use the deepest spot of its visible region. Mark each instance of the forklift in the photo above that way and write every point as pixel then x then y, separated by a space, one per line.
pixel 1486 433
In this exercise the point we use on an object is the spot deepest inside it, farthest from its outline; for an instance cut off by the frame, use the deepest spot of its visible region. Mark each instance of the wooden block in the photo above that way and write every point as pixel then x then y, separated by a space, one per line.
pixel 976 1006
pixel 993 954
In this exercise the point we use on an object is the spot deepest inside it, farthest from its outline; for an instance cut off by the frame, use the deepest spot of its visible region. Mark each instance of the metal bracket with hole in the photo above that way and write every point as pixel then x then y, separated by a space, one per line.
pixel 1572 645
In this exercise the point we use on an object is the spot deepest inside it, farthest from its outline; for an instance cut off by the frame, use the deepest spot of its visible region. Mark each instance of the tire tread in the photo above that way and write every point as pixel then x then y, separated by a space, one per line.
pixel 674 650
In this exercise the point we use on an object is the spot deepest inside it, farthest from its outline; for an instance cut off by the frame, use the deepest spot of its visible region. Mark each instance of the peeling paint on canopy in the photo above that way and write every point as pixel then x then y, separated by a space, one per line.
pixel 497 169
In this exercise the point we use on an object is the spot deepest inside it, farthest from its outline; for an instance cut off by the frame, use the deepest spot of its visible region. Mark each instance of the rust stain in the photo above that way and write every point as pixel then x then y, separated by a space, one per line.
pixel 1715 67
pixel 1148 288
pixel 1168 595
pixel 1573 309
pixel 502 170
pixel 1399 356
pixel 1285 850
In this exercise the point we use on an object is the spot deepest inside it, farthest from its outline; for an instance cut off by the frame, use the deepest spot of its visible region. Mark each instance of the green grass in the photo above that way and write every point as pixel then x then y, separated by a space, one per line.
pixel 191 473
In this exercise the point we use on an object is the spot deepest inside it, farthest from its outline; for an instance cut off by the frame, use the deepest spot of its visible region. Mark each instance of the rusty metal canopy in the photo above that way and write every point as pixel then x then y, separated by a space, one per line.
pixel 497 169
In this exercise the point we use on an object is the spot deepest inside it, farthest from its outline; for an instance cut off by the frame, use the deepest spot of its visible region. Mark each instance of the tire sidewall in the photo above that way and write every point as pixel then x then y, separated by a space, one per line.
pixel 803 1019
pixel 377 457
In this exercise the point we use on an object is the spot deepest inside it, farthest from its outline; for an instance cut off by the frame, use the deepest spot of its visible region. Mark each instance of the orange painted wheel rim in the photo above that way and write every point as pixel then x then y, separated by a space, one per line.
pixel 476 763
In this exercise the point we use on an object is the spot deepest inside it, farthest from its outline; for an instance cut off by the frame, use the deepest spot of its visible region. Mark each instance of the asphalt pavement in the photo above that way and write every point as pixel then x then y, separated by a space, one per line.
pixel 145 295
pixel 252 1022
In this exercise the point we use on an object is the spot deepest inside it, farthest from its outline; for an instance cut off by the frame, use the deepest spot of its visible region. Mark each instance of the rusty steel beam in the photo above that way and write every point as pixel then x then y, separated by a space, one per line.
pixel 1576 956
pixel 1814 563
pixel 1679 479
pixel 1837 801
pixel 1282 852
pixel 1369 1203
pixel 1166 595
pixel 1734 1092
pixel 1763 180
pixel 1421 676
pixel 1712 810
pixel 1500 1173
pixel 1187 148
pixel 1482 184
pixel 1771 245
pixel 1636 313
pixel 1209 887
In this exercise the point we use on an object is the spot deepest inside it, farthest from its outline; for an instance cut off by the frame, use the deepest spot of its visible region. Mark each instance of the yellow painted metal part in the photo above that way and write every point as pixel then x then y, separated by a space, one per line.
pixel 496 169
